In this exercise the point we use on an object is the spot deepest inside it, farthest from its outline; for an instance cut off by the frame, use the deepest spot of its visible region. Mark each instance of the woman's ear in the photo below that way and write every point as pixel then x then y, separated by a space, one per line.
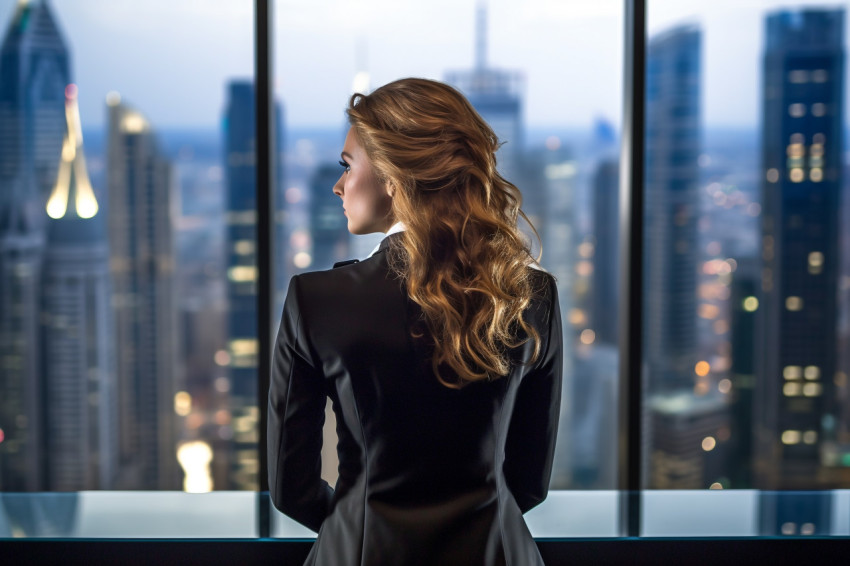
pixel 390 188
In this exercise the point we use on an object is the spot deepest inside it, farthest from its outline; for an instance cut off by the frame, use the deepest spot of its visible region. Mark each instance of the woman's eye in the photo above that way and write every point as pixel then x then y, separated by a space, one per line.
pixel 345 166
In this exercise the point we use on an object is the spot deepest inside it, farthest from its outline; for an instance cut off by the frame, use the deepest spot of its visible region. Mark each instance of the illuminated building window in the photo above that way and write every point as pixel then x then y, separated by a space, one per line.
pixel 798 76
pixel 816 175
pixel 791 437
pixel 789 528
pixel 810 437
pixel 242 274
pixel 244 247
pixel 792 389
pixel 818 139
pixel 812 372
pixel 243 347
pixel 772 175
pixel 807 529
pixel 798 138
pixel 792 372
pixel 797 110
pixel 820 76
pixel 812 389
pixel 818 109
pixel 815 262
pixel 794 303
pixel 796 175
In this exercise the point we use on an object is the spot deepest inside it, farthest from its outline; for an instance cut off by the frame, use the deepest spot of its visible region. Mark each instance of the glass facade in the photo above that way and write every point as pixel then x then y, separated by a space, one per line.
pixel 129 258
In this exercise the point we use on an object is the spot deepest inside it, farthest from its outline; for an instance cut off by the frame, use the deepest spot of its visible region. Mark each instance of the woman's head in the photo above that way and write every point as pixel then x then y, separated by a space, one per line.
pixel 462 257
pixel 431 148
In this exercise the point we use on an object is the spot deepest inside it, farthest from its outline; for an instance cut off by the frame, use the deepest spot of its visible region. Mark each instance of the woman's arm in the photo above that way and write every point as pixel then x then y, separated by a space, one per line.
pixel 295 419
pixel 530 446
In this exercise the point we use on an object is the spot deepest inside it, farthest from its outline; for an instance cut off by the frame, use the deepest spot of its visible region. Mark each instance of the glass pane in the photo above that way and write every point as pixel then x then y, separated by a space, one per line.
pixel 746 257
pixel 126 194
pixel 548 78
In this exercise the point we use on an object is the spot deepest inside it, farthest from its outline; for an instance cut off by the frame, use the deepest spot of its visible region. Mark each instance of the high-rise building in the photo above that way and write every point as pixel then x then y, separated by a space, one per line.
pixel 606 230
pixel 496 95
pixel 676 419
pixel 141 193
pixel 241 221
pixel 80 412
pixel 329 227
pixel 34 71
pixel 802 152
pixel 672 152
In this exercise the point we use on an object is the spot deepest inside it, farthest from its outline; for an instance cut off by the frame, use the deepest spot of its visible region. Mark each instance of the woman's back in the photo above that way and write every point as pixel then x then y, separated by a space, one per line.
pixel 427 474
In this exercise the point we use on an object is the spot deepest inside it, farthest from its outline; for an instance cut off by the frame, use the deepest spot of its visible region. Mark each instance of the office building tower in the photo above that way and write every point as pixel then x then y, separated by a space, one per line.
pixel 688 436
pixel 672 150
pixel 559 242
pixel 240 241
pixel 80 412
pixel 329 226
pixel 496 95
pixel 141 193
pixel 743 307
pixel 802 151
pixel 606 232
pixel 34 71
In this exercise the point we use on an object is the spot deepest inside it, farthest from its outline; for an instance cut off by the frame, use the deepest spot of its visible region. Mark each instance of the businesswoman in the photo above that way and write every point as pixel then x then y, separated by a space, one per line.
pixel 441 352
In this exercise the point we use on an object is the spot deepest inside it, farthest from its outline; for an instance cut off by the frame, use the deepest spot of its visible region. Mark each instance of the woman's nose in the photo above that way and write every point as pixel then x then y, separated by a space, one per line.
pixel 338 186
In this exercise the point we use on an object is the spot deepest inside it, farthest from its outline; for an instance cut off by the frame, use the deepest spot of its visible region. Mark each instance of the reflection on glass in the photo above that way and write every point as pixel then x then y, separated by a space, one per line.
pixel 746 256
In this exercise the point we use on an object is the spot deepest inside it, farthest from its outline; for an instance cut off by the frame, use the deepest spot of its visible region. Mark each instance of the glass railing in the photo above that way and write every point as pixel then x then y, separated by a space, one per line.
pixel 564 514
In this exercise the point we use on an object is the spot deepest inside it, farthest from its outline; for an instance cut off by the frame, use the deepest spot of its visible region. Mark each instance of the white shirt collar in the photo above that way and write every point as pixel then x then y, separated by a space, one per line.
pixel 395 228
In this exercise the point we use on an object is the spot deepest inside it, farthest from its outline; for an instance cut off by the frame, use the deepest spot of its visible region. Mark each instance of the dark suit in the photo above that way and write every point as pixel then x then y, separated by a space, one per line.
pixel 427 475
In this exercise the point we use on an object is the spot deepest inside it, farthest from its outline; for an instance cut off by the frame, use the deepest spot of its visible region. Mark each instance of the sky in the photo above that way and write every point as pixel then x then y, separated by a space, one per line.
pixel 171 59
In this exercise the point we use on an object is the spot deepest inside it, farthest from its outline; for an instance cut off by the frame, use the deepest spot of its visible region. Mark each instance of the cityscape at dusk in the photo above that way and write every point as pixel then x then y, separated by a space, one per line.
pixel 128 327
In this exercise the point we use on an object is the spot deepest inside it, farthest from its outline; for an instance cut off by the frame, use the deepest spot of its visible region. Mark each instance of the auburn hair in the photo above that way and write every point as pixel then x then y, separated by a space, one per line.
pixel 462 257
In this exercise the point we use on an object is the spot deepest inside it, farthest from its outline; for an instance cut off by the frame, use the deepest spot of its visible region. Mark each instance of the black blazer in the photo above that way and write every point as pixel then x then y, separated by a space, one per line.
pixel 427 475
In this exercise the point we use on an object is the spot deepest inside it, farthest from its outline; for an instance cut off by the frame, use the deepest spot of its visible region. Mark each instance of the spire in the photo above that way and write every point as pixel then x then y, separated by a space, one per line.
pixel 481 36
pixel 72 181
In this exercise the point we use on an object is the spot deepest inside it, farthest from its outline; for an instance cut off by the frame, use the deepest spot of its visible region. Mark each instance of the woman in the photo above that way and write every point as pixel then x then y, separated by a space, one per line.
pixel 441 352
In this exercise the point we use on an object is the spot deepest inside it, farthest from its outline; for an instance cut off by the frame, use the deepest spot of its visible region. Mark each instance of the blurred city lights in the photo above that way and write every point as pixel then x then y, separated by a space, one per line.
pixel 195 458
pixel 222 358
pixel 302 260
pixel 708 443
pixel 702 368
pixel 182 403
pixel 588 336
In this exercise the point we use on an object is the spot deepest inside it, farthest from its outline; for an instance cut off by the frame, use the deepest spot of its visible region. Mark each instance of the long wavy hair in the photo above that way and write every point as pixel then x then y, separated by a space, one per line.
pixel 462 258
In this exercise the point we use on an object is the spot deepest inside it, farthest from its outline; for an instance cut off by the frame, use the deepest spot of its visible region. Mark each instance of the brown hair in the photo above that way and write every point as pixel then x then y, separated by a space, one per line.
pixel 462 257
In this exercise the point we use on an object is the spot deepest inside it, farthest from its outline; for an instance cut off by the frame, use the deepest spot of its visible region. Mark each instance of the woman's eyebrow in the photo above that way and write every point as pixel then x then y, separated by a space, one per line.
pixel 346 154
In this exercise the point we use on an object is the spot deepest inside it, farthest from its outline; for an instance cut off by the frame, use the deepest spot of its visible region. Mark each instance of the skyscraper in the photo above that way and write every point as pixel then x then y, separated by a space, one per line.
pixel 675 419
pixel 34 70
pixel 329 227
pixel 241 186
pixel 495 94
pixel 672 151
pixel 141 193
pixel 606 222
pixel 79 379
pixel 802 149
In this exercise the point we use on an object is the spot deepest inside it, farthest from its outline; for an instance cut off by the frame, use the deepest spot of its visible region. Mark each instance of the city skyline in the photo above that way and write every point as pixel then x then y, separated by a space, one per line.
pixel 341 39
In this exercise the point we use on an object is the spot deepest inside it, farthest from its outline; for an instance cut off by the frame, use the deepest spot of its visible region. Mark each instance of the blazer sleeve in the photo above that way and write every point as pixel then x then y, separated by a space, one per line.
pixel 295 419
pixel 530 445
